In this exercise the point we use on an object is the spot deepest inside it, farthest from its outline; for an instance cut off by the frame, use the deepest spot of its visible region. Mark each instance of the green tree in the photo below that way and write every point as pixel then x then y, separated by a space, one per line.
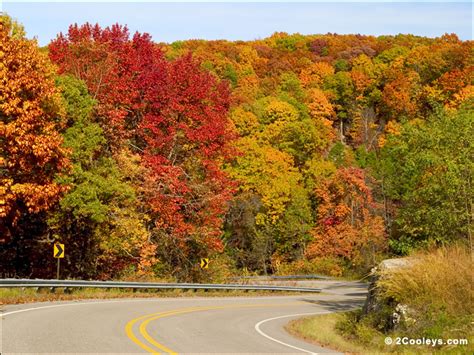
pixel 428 170
pixel 97 218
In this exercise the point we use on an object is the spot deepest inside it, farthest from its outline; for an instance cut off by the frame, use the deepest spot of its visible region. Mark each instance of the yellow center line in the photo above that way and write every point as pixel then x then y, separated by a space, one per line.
pixel 131 334
pixel 154 316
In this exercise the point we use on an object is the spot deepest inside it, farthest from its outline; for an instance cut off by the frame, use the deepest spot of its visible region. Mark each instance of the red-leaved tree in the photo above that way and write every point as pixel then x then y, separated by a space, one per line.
pixel 175 115
pixel 113 65
pixel 187 137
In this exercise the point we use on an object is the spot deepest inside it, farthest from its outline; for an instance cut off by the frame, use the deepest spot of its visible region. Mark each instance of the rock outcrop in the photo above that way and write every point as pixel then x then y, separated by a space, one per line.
pixel 372 303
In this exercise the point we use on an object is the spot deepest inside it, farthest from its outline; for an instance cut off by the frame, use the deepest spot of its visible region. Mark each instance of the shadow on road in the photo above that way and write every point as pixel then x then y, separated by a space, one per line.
pixel 361 286
pixel 336 306
pixel 357 294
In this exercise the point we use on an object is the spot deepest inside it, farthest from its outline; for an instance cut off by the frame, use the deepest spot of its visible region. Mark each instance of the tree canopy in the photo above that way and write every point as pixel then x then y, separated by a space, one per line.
pixel 288 154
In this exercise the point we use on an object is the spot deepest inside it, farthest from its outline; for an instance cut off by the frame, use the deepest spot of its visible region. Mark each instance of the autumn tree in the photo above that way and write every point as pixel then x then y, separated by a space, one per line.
pixel 187 134
pixel 99 217
pixel 341 90
pixel 31 152
pixel 292 132
pixel 399 94
pixel 269 185
pixel 111 64
pixel 348 224
pixel 367 123
pixel 314 75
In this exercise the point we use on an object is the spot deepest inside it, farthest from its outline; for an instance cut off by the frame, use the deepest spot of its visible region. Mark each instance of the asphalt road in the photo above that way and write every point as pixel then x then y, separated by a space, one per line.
pixel 171 325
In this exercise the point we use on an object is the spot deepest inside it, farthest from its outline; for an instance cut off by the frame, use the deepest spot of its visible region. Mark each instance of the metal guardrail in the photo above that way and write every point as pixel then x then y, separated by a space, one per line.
pixel 146 285
pixel 285 277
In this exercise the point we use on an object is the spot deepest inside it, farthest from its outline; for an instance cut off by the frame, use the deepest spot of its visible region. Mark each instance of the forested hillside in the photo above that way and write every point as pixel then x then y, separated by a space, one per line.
pixel 290 154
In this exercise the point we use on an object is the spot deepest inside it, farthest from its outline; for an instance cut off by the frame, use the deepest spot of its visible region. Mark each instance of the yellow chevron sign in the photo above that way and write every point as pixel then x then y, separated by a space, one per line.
pixel 58 250
pixel 204 263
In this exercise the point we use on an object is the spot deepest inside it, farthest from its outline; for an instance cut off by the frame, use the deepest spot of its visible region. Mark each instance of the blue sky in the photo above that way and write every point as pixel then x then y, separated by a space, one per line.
pixel 168 22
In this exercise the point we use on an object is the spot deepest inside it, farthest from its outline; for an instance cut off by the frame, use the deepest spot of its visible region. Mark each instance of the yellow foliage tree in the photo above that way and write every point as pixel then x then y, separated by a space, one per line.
pixel 269 173
pixel 245 122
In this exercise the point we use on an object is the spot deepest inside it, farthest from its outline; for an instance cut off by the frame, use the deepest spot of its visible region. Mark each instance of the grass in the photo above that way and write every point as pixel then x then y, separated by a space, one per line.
pixel 437 295
pixel 321 330
pixel 438 292
pixel 440 283
pixel 328 331
pixel 29 295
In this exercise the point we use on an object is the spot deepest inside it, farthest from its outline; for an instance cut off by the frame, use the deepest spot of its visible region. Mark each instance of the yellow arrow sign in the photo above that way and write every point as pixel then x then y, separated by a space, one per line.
pixel 58 250
pixel 204 263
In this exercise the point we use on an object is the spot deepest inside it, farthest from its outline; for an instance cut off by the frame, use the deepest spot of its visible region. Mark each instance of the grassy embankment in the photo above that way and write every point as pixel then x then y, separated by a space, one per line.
pixel 438 295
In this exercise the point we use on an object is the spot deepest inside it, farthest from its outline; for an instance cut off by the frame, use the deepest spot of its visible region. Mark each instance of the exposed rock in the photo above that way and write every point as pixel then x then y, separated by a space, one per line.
pixel 371 303
pixel 392 264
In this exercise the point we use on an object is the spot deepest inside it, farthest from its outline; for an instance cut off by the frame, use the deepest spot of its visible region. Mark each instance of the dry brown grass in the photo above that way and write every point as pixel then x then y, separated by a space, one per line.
pixel 30 295
pixel 442 279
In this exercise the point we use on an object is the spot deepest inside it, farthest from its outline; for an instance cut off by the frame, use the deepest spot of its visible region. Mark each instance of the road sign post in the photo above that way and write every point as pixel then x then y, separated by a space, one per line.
pixel 58 253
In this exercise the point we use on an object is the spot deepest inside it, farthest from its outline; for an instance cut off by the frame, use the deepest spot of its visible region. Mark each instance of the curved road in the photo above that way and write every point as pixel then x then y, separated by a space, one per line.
pixel 172 325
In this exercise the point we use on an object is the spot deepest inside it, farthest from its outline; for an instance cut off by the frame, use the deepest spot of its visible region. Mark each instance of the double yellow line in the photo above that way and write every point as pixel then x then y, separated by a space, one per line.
pixel 146 319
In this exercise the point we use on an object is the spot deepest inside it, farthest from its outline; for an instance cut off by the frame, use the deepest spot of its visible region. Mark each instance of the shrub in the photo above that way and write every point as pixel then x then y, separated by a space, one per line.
pixel 221 269
pixel 326 266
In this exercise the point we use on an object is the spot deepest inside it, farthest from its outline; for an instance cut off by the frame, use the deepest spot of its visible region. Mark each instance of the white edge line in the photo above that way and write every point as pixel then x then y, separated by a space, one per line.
pixel 83 303
pixel 157 299
pixel 59 305
pixel 257 328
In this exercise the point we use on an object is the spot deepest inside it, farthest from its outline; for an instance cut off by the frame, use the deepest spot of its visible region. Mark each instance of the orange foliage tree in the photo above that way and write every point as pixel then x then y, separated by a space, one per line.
pixel 346 216
pixel 31 114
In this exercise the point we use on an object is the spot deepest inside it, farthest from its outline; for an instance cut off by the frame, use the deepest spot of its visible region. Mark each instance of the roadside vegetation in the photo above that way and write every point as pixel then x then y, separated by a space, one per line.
pixel 431 299
pixel 31 295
